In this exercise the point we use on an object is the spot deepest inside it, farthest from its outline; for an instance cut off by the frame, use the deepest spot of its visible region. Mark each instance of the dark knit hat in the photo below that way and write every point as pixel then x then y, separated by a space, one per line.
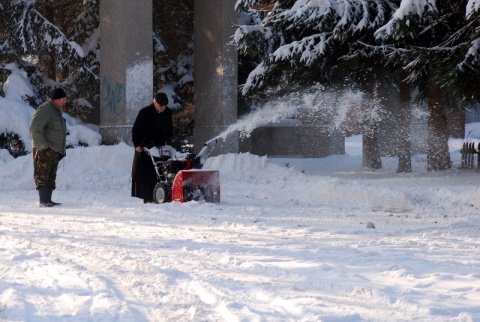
pixel 57 93
pixel 161 99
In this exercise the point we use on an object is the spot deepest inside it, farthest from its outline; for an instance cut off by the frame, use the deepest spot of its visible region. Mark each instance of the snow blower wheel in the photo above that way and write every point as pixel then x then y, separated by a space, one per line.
pixel 161 193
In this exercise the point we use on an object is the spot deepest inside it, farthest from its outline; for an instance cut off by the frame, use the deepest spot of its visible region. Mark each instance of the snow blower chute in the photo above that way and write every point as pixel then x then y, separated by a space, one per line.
pixel 181 177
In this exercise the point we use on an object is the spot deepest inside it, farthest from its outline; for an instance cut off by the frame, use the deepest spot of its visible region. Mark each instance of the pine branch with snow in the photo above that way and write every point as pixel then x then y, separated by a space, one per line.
pixel 32 33
pixel 308 36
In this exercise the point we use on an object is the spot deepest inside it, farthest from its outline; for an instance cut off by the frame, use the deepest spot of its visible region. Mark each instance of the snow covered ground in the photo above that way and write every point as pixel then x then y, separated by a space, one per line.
pixel 291 240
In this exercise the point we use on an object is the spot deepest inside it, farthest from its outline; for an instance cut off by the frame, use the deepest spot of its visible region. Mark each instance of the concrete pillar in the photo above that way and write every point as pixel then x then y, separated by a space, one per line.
pixel 126 70
pixel 216 68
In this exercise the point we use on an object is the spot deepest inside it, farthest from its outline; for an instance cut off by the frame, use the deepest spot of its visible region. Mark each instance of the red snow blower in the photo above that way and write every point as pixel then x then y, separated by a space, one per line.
pixel 181 177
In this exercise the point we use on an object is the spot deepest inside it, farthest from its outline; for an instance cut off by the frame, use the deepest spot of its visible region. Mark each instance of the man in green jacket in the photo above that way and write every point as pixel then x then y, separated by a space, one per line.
pixel 48 129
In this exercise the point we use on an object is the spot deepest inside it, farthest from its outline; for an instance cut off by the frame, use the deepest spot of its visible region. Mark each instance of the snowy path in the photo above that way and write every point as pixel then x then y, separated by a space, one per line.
pixel 283 245
pixel 204 262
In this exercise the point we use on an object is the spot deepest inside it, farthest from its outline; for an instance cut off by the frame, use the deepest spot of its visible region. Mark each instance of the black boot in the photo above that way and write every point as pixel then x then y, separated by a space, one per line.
pixel 50 198
pixel 44 198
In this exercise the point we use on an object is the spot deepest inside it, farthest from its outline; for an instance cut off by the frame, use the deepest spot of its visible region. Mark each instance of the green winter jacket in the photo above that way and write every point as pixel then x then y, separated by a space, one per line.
pixel 48 128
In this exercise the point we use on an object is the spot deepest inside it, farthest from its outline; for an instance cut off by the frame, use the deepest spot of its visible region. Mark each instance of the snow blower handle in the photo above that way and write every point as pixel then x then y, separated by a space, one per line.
pixel 204 153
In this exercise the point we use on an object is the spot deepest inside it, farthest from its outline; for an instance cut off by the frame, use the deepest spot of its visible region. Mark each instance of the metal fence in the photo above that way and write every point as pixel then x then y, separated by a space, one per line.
pixel 470 156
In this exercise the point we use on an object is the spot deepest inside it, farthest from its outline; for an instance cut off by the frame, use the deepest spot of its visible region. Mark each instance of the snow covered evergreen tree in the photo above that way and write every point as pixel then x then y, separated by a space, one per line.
pixel 302 42
pixel 174 59
pixel 56 44
pixel 431 41
pixel 305 41
pixel 435 42
pixel 467 64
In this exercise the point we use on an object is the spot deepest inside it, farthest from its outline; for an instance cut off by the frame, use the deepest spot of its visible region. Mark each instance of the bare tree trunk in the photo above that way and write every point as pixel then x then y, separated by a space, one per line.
pixel 370 150
pixel 404 140
pixel 438 156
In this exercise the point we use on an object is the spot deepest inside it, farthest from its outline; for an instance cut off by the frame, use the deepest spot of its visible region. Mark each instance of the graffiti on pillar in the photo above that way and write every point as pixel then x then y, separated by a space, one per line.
pixel 112 101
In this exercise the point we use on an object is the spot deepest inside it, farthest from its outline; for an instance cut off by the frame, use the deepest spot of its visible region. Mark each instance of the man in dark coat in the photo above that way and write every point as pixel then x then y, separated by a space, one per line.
pixel 152 127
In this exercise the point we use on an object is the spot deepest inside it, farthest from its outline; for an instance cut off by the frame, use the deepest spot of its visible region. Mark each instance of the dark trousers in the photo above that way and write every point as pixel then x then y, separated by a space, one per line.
pixel 144 177
pixel 45 164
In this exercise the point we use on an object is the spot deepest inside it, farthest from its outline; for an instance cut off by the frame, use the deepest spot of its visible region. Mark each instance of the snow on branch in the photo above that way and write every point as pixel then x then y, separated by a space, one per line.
pixel 408 13
pixel 472 57
pixel 473 6
pixel 306 50
pixel 243 31
pixel 311 14
pixel 255 79
pixel 246 4
pixel 303 32
pixel 52 37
